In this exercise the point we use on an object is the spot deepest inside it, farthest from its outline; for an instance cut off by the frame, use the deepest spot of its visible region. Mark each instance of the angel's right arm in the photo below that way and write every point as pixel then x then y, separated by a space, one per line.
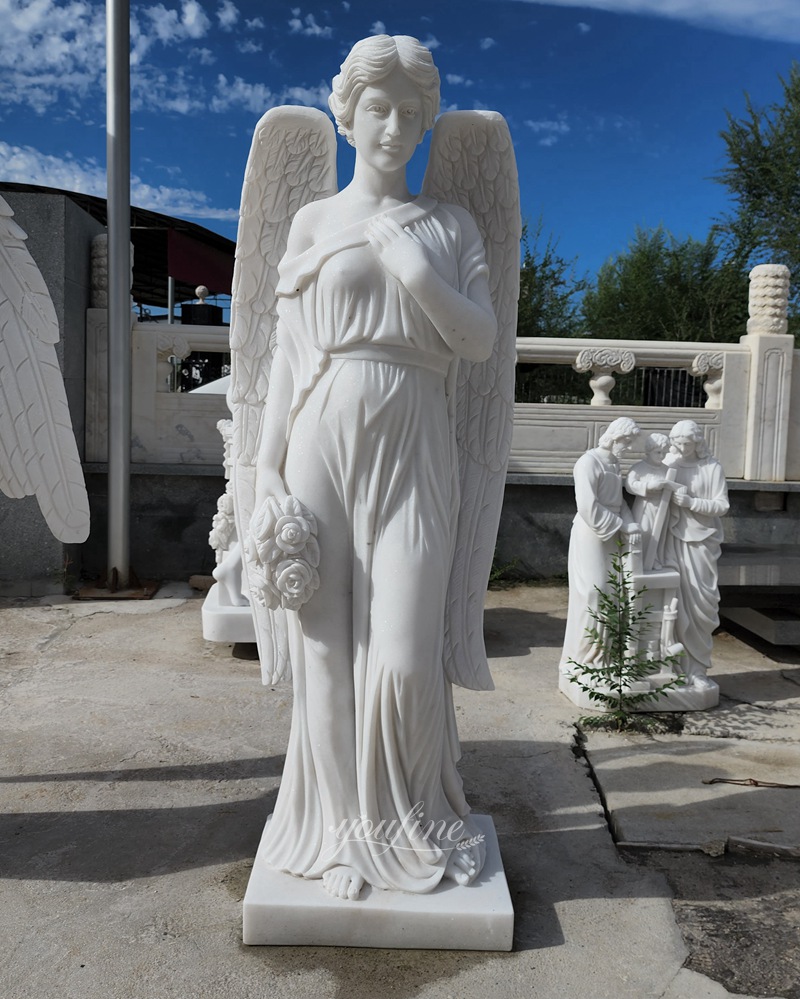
pixel 272 440
pixel 272 433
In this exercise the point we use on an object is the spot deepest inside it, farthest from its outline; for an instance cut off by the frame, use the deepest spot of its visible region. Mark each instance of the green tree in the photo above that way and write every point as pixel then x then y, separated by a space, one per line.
pixel 550 291
pixel 664 288
pixel 763 178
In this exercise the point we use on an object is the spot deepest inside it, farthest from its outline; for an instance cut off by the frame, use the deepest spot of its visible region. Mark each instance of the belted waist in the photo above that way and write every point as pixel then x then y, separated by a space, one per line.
pixel 393 355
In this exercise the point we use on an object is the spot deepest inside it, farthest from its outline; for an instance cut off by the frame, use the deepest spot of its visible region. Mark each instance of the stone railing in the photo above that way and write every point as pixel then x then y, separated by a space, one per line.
pixel 167 427
pixel 751 413
pixel 751 416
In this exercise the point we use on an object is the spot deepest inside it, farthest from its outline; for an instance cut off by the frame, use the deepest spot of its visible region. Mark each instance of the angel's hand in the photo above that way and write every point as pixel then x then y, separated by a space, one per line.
pixel 270 483
pixel 402 256
pixel 683 497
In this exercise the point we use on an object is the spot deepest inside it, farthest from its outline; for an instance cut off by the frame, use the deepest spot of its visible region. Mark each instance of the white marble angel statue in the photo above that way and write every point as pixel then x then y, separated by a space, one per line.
pixel 38 453
pixel 369 483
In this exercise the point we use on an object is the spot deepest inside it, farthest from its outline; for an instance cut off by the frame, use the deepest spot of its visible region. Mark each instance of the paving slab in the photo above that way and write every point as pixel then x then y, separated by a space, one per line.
pixel 141 761
pixel 657 791
pixel 653 786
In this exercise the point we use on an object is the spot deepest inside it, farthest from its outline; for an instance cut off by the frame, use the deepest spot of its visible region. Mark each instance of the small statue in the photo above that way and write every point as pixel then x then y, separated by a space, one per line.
pixel 603 516
pixel 691 544
pixel 38 453
pixel 372 337
pixel 651 482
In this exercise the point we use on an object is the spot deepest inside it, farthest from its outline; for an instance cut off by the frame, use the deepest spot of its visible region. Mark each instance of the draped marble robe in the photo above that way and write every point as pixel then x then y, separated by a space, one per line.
pixel 602 513
pixel 692 543
pixel 370 780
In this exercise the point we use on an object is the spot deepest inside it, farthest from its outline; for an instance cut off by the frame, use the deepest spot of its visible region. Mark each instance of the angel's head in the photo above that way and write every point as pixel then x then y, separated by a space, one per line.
pixel 372 60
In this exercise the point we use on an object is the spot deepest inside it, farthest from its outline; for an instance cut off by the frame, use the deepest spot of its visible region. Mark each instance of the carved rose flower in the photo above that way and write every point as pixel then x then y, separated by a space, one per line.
pixel 283 554
pixel 291 534
pixel 296 581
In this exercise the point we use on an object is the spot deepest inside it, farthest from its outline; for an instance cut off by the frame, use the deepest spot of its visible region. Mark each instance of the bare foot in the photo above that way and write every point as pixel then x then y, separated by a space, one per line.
pixel 343 882
pixel 465 863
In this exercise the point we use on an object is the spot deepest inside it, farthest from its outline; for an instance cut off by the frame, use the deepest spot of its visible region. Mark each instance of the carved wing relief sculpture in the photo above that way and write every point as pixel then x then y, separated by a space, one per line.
pixel 38 453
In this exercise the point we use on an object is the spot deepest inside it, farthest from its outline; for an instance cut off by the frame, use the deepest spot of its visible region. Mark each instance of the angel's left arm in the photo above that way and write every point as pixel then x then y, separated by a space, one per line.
pixel 465 320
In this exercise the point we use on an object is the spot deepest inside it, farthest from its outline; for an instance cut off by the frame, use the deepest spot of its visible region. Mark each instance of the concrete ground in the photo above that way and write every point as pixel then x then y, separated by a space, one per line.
pixel 141 761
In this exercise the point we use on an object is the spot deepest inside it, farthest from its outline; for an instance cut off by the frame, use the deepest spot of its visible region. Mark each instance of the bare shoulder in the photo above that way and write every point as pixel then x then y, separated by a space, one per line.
pixel 308 224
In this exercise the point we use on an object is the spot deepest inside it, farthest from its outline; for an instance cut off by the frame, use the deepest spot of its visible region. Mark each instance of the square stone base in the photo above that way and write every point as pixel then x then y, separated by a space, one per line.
pixel 283 910
pixel 226 624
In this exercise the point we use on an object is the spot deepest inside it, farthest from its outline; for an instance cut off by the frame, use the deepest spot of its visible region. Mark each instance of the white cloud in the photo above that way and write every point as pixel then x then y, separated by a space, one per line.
pixel 254 97
pixel 204 56
pixel 169 27
pixel 308 26
pixel 52 59
pixel 254 23
pixel 312 97
pixel 550 130
pixel 584 28
pixel 52 52
pixel 487 43
pixel 227 15
pixel 456 80
pixel 431 42
pixel 24 164
pixel 773 19
pixel 257 98
pixel 378 28
pixel 48 50
pixel 248 46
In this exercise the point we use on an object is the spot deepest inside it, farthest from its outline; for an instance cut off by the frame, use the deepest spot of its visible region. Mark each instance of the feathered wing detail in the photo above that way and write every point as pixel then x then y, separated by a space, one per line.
pixel 292 161
pixel 472 164
pixel 38 453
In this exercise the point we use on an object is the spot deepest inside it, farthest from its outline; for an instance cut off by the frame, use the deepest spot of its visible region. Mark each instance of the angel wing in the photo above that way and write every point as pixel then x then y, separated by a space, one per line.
pixel 472 164
pixel 292 161
pixel 38 453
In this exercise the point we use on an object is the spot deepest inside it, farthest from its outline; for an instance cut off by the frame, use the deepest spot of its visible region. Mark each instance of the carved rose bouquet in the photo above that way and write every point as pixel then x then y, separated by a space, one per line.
pixel 283 554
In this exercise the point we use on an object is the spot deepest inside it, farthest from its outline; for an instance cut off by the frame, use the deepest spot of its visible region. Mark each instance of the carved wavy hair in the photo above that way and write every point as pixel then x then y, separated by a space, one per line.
pixel 623 427
pixel 692 430
pixel 372 60
pixel 656 442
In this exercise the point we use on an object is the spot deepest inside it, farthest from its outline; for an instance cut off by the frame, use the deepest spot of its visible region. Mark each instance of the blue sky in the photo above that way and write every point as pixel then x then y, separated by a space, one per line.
pixel 615 106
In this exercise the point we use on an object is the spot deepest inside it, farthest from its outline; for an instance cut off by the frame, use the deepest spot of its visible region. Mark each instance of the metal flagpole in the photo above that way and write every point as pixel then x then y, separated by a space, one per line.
pixel 119 288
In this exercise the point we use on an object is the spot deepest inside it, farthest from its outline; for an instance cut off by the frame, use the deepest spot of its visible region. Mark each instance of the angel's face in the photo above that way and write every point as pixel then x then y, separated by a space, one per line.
pixel 387 122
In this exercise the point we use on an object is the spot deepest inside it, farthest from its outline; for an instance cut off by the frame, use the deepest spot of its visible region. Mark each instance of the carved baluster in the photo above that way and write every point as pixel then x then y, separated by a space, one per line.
pixel 171 349
pixel 711 366
pixel 602 362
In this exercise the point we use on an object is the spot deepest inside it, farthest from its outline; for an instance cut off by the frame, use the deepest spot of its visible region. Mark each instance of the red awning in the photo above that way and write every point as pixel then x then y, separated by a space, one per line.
pixel 195 263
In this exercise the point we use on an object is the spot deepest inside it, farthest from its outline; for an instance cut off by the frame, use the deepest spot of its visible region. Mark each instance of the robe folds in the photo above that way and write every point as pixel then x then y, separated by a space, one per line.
pixel 692 543
pixel 370 780
pixel 602 512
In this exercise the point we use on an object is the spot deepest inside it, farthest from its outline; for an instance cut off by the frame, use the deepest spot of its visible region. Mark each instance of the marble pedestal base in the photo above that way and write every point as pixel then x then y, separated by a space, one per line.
pixel 676 699
pixel 282 910
pixel 224 623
